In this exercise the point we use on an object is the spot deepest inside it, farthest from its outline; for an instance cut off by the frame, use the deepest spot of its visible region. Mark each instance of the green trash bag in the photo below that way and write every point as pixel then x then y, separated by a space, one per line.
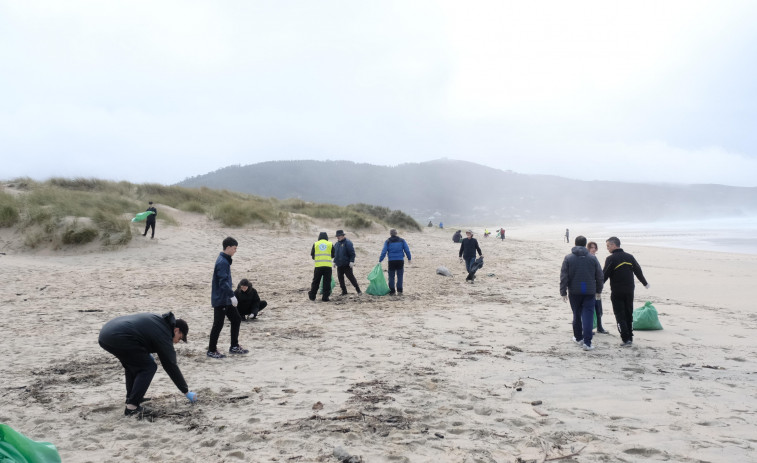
pixel 645 318
pixel 377 285
pixel 320 290
pixel 17 448
pixel 142 216
pixel 595 318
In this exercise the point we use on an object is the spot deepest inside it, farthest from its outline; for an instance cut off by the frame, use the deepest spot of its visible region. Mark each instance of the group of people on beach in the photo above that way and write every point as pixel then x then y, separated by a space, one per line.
pixel 132 338
pixel 582 280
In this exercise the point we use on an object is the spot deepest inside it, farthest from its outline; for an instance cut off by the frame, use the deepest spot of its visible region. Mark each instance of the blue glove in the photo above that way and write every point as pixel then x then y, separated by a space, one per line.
pixel 192 396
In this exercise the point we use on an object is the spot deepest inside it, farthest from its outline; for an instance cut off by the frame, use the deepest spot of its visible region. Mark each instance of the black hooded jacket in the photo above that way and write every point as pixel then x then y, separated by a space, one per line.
pixel 146 332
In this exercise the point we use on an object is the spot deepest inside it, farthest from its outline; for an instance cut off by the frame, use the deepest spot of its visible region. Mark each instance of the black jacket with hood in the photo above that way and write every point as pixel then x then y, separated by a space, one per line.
pixel 580 273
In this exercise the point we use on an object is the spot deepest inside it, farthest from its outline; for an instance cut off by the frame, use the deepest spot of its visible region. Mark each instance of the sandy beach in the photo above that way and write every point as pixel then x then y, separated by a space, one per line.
pixel 447 372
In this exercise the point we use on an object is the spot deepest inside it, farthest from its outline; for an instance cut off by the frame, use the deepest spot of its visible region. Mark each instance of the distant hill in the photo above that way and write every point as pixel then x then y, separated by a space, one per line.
pixel 465 192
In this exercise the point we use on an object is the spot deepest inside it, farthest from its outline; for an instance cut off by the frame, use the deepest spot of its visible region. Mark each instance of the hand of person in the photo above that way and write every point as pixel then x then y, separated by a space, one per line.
pixel 352 264
pixel 409 262
pixel 461 259
pixel 234 301
pixel 192 396
pixel 565 298
pixel 598 296
pixel 647 285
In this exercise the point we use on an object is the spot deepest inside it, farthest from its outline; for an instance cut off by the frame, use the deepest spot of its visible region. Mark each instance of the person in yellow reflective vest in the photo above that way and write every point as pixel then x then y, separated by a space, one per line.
pixel 322 252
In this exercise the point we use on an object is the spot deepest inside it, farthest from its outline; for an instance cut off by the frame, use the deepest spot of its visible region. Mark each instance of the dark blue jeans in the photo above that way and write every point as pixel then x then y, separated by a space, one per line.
pixel 469 263
pixel 396 267
pixel 583 316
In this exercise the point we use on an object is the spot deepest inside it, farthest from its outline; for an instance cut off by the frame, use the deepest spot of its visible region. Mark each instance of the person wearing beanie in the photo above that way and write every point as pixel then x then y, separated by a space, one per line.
pixel 322 252
pixel 396 249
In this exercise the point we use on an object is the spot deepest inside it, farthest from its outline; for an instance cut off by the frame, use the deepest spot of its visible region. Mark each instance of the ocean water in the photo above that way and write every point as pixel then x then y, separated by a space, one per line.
pixel 736 235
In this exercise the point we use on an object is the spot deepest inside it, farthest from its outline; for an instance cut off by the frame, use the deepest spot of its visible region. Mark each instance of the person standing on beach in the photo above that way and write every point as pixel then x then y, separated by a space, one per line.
pixel 468 249
pixel 620 268
pixel 150 222
pixel 132 339
pixel 344 259
pixel 567 235
pixel 322 252
pixel 396 248
pixel 581 280
pixel 224 302
pixel 592 247
pixel 502 234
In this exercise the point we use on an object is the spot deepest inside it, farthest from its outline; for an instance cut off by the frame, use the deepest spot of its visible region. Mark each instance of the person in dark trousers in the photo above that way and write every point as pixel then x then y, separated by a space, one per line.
pixel 457 237
pixel 150 222
pixel 620 268
pixel 322 252
pixel 592 247
pixel 468 249
pixel 131 339
pixel 344 259
pixel 249 304
pixel 224 302
pixel 396 249
pixel 581 279
pixel 567 235
pixel 502 233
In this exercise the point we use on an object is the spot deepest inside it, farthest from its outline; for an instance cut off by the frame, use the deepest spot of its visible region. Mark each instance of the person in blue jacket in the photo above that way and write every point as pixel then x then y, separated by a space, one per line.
pixel 396 248
pixel 224 302
pixel 344 259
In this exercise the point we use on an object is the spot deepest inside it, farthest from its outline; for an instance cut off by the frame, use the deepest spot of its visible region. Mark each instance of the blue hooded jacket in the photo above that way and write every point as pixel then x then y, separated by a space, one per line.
pixel 397 249
pixel 344 253
pixel 222 290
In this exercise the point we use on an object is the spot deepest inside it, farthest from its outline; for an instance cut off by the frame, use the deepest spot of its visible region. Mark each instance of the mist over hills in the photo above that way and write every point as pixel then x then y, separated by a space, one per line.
pixel 464 192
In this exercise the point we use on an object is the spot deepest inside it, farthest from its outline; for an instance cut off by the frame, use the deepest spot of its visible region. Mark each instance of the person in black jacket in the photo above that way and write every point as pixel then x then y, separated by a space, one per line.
pixel 468 249
pixel 132 338
pixel 457 237
pixel 150 222
pixel 620 268
pixel 248 301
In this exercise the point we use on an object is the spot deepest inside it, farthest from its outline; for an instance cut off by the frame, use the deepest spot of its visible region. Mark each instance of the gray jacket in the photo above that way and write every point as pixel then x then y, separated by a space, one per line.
pixel 581 273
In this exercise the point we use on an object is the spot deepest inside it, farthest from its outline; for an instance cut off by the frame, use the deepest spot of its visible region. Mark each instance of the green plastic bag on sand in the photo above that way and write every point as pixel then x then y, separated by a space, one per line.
pixel 377 285
pixel 17 448
pixel 142 216
pixel 645 318
pixel 333 283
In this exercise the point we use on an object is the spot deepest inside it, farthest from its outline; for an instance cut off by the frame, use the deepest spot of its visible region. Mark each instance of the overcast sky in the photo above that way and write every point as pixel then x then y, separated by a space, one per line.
pixel 157 91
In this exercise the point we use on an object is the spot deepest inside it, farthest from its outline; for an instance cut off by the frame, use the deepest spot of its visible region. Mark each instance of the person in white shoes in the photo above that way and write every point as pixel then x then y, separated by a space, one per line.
pixel 224 302
pixel 581 279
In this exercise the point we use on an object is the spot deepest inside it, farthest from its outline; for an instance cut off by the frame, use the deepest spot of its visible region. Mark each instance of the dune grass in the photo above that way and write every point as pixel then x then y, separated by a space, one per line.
pixel 77 211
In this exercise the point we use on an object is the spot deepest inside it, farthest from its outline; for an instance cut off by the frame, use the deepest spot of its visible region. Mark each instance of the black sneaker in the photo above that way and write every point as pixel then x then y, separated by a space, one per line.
pixel 215 355
pixel 139 412
pixel 344 293
pixel 238 350
pixel 391 293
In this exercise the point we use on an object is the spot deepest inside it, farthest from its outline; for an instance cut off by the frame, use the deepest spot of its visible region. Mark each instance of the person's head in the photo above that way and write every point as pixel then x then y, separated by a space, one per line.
pixel 612 243
pixel 469 233
pixel 393 232
pixel 323 236
pixel 150 203
pixel 244 284
pixel 180 331
pixel 580 240
pixel 230 246
pixel 592 247
pixel 340 235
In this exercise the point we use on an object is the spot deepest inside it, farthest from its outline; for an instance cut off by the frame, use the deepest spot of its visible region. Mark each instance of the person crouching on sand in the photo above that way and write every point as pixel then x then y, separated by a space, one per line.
pixel 248 300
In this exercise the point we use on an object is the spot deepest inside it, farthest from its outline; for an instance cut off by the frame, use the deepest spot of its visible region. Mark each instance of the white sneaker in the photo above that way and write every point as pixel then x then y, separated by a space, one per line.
pixel 580 343
pixel 587 347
